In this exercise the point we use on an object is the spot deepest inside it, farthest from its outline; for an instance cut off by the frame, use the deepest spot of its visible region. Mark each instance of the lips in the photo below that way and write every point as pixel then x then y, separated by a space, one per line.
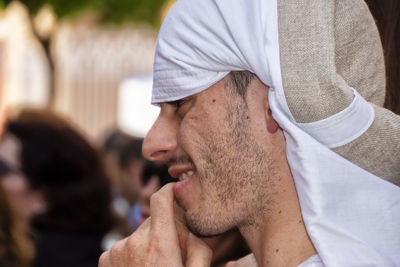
pixel 181 172
pixel 182 189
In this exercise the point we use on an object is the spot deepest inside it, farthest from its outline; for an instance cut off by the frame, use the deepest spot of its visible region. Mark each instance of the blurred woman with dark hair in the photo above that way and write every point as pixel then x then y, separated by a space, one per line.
pixel 62 188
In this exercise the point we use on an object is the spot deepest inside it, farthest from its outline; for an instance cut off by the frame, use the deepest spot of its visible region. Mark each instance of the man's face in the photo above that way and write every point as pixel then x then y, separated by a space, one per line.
pixel 210 142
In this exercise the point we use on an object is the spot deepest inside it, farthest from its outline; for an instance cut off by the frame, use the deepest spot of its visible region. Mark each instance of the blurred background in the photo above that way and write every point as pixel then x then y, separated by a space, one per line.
pixel 81 58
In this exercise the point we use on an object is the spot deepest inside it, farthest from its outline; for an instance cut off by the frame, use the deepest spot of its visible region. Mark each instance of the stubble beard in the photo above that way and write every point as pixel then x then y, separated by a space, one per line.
pixel 235 178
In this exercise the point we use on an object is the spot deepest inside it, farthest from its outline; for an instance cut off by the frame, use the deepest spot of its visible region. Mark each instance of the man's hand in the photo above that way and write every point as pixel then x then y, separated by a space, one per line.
pixel 246 261
pixel 159 241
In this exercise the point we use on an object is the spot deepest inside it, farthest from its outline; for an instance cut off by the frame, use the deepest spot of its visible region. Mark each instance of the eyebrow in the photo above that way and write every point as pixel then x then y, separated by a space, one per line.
pixel 172 103
pixel 175 102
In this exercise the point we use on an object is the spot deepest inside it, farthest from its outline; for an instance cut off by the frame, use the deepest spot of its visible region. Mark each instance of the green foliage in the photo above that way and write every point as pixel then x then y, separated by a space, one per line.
pixel 110 11
pixel 132 10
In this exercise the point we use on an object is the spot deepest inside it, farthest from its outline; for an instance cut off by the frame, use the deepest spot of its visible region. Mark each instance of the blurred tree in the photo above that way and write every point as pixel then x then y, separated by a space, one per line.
pixel 113 11
pixel 108 11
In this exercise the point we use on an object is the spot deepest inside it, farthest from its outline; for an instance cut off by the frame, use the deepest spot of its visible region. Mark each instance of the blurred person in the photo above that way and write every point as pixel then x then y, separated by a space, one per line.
pixel 124 162
pixel 25 200
pixel 16 247
pixel 131 163
pixel 60 189
pixel 111 148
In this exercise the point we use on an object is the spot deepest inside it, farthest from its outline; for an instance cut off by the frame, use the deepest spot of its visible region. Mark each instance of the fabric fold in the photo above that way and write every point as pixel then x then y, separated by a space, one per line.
pixel 334 131
pixel 351 215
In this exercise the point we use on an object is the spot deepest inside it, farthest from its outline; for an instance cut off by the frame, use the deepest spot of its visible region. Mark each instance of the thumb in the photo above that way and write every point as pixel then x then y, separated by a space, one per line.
pixel 198 253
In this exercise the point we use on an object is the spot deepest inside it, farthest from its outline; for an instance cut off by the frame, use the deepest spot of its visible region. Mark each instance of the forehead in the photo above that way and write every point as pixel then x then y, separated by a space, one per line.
pixel 215 90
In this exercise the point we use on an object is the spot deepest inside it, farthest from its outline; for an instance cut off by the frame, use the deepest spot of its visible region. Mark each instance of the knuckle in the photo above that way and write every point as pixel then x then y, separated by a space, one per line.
pixel 154 244
pixel 209 252
pixel 113 252
pixel 103 259
pixel 131 244
pixel 157 199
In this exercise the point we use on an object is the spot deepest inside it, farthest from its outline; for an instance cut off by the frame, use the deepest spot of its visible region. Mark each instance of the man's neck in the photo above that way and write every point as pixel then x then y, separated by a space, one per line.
pixel 279 238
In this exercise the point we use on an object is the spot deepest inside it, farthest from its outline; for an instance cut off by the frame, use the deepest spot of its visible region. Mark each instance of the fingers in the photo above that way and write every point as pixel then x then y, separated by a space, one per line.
pixel 104 260
pixel 159 240
pixel 162 217
pixel 249 260
pixel 112 257
pixel 246 261
pixel 164 234
pixel 198 253
pixel 193 251
pixel 183 234
pixel 178 212
pixel 162 207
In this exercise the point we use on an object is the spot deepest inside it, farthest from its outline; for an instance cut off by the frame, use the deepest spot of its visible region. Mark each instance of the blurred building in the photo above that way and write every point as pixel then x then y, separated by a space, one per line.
pixel 90 62
pixel 24 67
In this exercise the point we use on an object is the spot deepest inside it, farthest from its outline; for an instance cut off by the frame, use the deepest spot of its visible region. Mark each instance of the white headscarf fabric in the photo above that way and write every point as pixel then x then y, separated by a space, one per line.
pixel 351 216
pixel 202 41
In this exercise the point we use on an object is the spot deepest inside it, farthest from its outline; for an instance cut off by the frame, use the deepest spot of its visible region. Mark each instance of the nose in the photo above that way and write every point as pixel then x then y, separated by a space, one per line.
pixel 161 141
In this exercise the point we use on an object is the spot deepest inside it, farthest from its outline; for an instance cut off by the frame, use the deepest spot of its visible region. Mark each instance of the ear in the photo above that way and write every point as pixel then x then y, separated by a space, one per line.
pixel 272 125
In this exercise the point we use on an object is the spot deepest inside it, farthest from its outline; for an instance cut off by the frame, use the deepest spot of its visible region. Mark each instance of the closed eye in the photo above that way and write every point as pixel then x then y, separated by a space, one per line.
pixel 178 104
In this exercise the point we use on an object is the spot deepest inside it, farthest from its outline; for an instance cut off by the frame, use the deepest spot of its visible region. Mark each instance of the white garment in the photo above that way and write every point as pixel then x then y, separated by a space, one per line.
pixel 313 261
pixel 351 216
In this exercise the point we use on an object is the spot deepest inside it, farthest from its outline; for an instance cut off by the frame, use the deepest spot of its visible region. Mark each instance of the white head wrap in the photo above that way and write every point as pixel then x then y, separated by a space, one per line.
pixel 351 216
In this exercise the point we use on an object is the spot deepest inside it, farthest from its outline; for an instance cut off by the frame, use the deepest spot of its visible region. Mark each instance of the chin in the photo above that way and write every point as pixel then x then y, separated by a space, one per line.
pixel 204 227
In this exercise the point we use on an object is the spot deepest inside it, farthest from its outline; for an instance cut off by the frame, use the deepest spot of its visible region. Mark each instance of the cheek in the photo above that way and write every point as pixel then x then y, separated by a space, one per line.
pixel 195 128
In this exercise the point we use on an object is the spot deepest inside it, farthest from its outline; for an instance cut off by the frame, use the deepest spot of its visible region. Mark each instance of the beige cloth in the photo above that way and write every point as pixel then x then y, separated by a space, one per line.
pixel 322 55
